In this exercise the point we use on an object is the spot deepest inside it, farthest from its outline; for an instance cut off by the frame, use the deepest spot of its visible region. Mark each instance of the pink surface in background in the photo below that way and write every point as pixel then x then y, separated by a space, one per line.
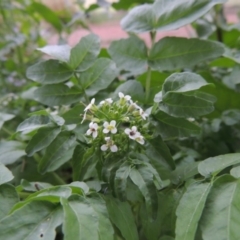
pixel 111 31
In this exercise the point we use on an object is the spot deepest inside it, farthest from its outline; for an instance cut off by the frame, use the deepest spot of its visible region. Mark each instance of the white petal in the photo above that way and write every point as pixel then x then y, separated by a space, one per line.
pixel 104 147
pixel 134 129
pixel 114 130
pixel 127 131
pixel 106 124
pixel 92 101
pixel 91 125
pixel 114 148
pixel 105 130
pixel 120 94
pixel 102 102
pixel 89 132
pixel 113 123
pixel 84 117
pixel 127 97
pixel 95 133
pixel 107 139
pixel 109 100
pixel 95 126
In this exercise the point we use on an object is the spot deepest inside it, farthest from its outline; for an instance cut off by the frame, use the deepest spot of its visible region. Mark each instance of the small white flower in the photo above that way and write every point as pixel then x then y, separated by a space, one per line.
pixel 110 127
pixel 133 105
pixel 125 97
pixel 90 105
pixel 106 101
pixel 139 138
pixel 132 133
pixel 92 129
pixel 109 144
pixel 143 114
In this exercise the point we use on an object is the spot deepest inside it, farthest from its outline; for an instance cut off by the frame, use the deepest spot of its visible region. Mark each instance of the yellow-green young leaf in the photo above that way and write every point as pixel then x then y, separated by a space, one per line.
pixel 85 52
pixel 190 210
pixel 213 165
pixel 42 139
pixel 171 127
pixel 8 198
pixel 164 15
pixel 99 76
pixel 121 215
pixel 80 220
pixel 172 53
pixel 57 94
pixel 36 220
pixel 220 219
pixel 58 152
pixel 11 151
pixel 49 72
pixel 129 54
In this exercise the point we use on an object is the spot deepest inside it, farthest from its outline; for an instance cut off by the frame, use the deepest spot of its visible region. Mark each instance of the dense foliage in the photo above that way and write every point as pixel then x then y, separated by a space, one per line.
pixel 130 142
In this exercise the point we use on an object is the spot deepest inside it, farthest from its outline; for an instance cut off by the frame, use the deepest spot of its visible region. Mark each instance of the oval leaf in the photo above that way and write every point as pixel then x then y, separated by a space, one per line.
pixel 213 165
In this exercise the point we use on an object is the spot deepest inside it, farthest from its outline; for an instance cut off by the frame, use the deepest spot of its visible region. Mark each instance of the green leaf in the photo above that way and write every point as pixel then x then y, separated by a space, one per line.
pixel 164 15
pixel 59 52
pixel 46 13
pixel 172 53
pixel 221 213
pixel 105 228
pixel 129 54
pixel 120 181
pixel 58 152
pixel 143 178
pixel 190 210
pixel 4 117
pixel 184 172
pixel 85 52
pixel 235 172
pixel 8 198
pixel 49 72
pixel 132 87
pixel 226 98
pixel 170 127
pixel 80 220
pixel 11 151
pixel 5 174
pixel 213 165
pixel 121 215
pixel 157 149
pixel 42 139
pixel 57 94
pixel 99 76
pixel 33 123
pixel 74 114
pixel 34 186
pixel 36 220
pixel 181 98
pixel 231 117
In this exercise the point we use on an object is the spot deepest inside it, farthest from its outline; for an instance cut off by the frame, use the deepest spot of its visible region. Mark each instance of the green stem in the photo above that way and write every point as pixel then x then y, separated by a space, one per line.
pixel 82 88
pixel 148 80
pixel 59 180
pixel 148 83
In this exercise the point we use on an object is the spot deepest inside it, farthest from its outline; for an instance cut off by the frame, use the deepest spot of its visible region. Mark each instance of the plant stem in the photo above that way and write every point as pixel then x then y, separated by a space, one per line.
pixel 148 80
pixel 82 88
pixel 148 83
pixel 59 180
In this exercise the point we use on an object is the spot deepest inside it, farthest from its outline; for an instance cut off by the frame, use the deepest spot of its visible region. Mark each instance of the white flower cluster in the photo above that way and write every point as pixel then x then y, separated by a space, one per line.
pixel 112 127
